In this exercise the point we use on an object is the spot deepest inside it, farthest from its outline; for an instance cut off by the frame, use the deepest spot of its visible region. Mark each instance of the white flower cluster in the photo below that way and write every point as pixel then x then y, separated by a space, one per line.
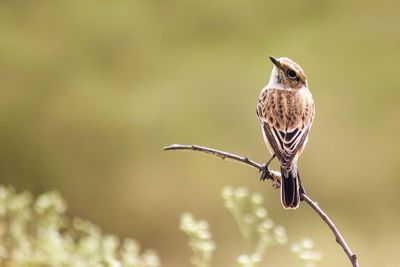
pixel 305 252
pixel 36 232
pixel 200 240
pixel 252 219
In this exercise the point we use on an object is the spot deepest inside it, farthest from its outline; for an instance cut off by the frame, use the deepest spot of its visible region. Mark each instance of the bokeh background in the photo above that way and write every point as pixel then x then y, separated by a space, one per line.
pixel 91 91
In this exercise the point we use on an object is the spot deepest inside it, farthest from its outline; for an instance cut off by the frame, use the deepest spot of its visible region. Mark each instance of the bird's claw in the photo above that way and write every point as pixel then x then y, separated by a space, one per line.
pixel 276 183
pixel 265 173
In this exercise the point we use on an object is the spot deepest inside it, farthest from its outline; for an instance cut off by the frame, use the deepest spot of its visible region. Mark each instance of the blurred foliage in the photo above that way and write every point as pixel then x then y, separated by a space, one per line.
pixel 200 240
pixel 36 232
pixel 304 250
pixel 252 219
pixel 92 90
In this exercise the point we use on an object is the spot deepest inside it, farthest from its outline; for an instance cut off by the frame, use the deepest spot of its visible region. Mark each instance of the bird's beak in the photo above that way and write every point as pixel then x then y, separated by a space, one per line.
pixel 275 61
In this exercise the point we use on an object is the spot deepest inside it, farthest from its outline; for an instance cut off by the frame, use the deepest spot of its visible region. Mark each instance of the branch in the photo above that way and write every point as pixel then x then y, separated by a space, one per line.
pixel 275 177
pixel 339 238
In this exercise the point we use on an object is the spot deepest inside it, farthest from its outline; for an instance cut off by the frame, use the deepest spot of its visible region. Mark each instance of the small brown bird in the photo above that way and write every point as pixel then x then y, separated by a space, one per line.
pixel 286 111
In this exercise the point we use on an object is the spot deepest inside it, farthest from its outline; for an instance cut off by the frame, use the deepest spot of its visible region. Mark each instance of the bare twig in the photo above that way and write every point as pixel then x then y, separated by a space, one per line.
pixel 275 176
pixel 339 238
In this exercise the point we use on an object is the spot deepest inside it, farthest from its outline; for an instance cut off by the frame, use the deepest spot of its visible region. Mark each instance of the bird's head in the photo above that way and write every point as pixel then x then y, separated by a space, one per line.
pixel 287 74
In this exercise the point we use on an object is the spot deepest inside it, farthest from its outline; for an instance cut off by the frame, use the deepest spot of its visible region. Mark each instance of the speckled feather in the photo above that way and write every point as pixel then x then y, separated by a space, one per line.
pixel 286 111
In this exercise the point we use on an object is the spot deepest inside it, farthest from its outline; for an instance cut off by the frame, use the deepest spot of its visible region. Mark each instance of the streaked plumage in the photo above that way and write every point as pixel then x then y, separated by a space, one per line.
pixel 286 112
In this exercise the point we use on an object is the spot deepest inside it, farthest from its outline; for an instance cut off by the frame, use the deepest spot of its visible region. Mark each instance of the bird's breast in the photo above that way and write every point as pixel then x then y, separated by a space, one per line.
pixel 287 109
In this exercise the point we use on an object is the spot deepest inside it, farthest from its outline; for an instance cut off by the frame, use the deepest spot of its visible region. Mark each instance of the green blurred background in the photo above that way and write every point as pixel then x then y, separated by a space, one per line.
pixel 92 90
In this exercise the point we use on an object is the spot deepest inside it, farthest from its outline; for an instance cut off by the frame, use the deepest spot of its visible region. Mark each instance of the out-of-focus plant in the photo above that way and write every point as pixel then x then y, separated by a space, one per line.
pixel 253 222
pixel 259 232
pixel 305 252
pixel 36 232
pixel 200 240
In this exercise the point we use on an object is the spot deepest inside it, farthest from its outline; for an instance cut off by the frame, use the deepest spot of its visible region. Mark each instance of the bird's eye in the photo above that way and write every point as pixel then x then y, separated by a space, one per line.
pixel 291 74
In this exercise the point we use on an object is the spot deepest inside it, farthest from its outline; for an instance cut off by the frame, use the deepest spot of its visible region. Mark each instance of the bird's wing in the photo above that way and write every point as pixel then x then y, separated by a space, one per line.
pixel 286 137
pixel 286 145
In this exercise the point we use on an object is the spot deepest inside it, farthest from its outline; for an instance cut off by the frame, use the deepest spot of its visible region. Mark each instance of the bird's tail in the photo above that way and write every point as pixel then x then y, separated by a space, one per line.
pixel 290 188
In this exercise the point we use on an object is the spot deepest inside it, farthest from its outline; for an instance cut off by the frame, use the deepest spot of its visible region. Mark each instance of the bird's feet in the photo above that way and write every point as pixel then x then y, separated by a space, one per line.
pixel 265 173
pixel 276 183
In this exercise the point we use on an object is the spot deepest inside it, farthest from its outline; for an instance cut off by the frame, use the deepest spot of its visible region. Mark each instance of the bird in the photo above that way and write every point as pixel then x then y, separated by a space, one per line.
pixel 286 112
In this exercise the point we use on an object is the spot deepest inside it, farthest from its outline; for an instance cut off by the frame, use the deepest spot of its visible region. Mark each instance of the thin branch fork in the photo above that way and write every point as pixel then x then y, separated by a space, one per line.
pixel 275 176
